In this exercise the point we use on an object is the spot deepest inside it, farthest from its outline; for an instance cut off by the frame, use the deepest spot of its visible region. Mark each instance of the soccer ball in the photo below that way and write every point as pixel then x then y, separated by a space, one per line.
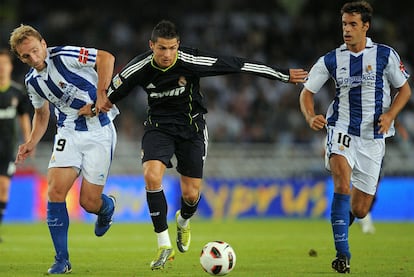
pixel 217 258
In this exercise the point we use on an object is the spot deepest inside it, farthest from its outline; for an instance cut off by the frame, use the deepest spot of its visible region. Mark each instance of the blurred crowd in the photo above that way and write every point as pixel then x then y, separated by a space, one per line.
pixel 242 108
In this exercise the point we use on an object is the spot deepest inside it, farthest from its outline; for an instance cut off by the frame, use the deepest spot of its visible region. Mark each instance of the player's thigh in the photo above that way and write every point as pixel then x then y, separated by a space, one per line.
pixel 191 154
pixel 60 181
pixel 97 148
pixel 341 173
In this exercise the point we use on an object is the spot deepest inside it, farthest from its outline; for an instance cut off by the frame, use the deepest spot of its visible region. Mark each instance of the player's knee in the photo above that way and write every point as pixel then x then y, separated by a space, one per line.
pixel 152 180
pixel 342 188
pixel 56 194
pixel 360 211
pixel 191 196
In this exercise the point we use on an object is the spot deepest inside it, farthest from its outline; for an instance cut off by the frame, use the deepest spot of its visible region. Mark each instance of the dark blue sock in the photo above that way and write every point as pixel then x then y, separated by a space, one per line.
pixel 107 205
pixel 340 223
pixel 58 222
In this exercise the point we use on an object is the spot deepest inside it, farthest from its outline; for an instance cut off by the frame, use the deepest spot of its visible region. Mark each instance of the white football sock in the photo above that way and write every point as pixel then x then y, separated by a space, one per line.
pixel 163 239
pixel 181 221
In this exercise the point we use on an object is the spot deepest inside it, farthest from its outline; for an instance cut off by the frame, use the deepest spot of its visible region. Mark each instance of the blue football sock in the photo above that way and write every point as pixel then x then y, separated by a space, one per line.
pixel 107 205
pixel 340 223
pixel 58 223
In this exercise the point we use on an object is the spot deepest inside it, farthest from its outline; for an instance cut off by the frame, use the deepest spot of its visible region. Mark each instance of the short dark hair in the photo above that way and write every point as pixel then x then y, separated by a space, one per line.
pixel 165 29
pixel 361 7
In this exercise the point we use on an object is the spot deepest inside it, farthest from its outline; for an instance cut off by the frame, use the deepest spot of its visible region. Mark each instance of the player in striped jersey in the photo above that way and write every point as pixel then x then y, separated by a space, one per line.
pixel 170 75
pixel 358 120
pixel 66 78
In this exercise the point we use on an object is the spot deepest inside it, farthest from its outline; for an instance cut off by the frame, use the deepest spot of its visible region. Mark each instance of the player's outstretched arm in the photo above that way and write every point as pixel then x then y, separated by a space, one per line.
pixel 297 75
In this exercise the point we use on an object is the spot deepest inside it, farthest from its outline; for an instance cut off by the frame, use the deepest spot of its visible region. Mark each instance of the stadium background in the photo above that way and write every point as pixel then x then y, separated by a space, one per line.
pixel 263 159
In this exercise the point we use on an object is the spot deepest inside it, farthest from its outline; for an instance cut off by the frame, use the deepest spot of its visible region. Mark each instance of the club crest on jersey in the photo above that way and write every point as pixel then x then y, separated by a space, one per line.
pixel 182 82
pixel 62 85
pixel 116 81
pixel 369 68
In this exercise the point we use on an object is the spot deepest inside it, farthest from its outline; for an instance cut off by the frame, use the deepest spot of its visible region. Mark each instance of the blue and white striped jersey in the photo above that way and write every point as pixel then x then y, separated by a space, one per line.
pixel 68 82
pixel 363 84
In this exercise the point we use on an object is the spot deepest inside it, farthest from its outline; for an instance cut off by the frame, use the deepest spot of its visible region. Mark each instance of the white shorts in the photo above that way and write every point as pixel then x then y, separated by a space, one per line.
pixel 364 156
pixel 90 152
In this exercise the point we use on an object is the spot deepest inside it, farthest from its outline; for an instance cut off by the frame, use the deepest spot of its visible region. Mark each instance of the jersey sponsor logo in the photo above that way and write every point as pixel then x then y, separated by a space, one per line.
pixel 8 113
pixel 69 91
pixel 173 92
pixel 367 79
pixel 83 55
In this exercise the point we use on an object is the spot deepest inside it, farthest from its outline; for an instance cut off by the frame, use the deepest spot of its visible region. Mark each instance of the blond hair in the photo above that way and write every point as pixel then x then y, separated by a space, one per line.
pixel 20 34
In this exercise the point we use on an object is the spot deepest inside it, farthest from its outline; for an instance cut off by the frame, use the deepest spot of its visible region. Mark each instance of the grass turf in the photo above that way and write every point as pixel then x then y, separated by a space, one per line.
pixel 276 247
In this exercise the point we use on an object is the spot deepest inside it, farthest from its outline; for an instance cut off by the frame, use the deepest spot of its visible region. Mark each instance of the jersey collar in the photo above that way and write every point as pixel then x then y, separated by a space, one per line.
pixel 369 44
pixel 154 65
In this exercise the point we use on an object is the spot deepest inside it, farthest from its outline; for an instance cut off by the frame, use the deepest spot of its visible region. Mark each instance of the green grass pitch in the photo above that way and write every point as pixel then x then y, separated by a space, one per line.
pixel 272 247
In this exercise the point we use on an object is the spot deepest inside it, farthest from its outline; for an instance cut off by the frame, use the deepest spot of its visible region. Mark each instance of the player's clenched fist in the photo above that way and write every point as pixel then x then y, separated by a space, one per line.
pixel 317 122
